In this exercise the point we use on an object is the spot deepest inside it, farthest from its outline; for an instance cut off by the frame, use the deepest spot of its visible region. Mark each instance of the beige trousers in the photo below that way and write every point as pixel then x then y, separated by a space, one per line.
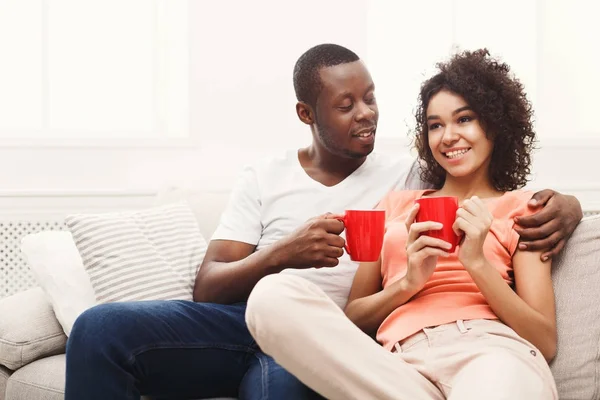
pixel 296 323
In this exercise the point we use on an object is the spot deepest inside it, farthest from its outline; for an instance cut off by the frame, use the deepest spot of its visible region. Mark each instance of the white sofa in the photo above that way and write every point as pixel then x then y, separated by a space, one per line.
pixel 32 342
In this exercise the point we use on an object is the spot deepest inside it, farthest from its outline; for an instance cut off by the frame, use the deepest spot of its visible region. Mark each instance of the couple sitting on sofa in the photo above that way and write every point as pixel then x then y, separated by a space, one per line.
pixel 447 322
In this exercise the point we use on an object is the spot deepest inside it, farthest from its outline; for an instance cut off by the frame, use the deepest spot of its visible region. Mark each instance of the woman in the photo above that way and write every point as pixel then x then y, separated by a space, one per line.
pixel 475 324
pixel 474 137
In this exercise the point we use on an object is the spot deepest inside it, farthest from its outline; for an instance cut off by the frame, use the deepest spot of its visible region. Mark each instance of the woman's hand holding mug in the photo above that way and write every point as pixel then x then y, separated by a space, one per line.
pixel 473 220
pixel 422 250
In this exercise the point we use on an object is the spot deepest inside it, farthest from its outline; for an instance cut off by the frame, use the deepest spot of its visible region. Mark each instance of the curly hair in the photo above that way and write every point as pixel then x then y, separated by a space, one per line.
pixel 501 104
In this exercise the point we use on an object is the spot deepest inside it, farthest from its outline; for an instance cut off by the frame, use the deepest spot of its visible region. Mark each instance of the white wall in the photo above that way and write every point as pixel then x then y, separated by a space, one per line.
pixel 566 86
pixel 242 100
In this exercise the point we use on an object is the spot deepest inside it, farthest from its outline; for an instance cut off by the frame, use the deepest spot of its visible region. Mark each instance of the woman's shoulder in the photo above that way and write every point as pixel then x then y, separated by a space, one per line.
pixel 505 209
pixel 512 204
pixel 518 195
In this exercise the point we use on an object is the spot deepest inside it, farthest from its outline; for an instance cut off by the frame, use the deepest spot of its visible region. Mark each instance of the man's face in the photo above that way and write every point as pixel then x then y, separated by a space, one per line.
pixel 346 111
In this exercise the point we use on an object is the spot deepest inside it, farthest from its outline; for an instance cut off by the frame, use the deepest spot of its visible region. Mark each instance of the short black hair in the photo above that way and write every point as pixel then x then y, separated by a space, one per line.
pixel 307 82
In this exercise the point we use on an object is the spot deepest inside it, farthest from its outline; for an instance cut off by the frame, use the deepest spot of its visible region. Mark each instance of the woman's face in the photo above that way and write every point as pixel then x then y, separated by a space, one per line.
pixel 456 138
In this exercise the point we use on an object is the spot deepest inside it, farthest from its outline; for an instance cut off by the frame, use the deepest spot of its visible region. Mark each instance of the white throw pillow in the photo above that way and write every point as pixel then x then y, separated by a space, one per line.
pixel 58 269
pixel 150 254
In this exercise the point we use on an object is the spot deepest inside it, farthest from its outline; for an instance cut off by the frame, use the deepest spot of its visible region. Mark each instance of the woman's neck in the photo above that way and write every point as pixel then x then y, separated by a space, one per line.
pixel 467 187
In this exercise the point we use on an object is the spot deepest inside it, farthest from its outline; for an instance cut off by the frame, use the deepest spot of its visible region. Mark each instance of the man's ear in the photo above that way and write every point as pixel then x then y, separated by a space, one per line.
pixel 305 113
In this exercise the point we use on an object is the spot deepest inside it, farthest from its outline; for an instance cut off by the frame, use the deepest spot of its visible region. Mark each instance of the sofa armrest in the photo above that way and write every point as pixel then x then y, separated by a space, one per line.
pixel 576 278
pixel 29 329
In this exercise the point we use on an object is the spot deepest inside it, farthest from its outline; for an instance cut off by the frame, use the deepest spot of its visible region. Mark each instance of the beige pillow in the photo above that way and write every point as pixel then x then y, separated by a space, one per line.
pixel 576 276
pixel 149 254
pixel 29 329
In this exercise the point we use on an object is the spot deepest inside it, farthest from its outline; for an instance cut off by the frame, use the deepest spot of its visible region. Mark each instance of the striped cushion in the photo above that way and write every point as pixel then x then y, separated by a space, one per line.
pixel 152 254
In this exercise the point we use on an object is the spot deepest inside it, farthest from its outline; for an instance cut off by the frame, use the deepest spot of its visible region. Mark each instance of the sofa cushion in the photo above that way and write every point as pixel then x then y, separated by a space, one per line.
pixel 41 380
pixel 28 329
pixel 576 276
pixel 4 375
pixel 150 254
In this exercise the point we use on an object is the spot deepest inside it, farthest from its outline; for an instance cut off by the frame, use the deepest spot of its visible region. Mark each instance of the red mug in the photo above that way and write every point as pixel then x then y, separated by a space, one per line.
pixel 443 210
pixel 364 233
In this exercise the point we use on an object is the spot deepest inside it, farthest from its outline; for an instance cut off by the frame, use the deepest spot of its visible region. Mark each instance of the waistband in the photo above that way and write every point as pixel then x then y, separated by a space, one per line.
pixel 462 326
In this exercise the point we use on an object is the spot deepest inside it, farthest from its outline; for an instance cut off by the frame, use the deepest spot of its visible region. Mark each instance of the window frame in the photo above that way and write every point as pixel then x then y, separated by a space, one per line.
pixel 163 37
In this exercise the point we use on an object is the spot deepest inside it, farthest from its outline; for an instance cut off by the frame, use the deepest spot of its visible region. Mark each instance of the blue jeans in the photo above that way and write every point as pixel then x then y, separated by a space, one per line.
pixel 174 350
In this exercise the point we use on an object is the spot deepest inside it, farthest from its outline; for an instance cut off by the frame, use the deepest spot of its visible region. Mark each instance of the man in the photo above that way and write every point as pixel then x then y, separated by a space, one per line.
pixel 203 348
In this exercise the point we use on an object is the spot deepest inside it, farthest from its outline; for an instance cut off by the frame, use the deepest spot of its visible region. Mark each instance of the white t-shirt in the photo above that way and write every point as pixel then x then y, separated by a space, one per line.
pixel 274 197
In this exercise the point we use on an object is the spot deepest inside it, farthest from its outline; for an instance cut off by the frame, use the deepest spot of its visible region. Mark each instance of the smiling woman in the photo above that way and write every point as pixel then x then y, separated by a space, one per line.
pixel 472 106
pixel 456 138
